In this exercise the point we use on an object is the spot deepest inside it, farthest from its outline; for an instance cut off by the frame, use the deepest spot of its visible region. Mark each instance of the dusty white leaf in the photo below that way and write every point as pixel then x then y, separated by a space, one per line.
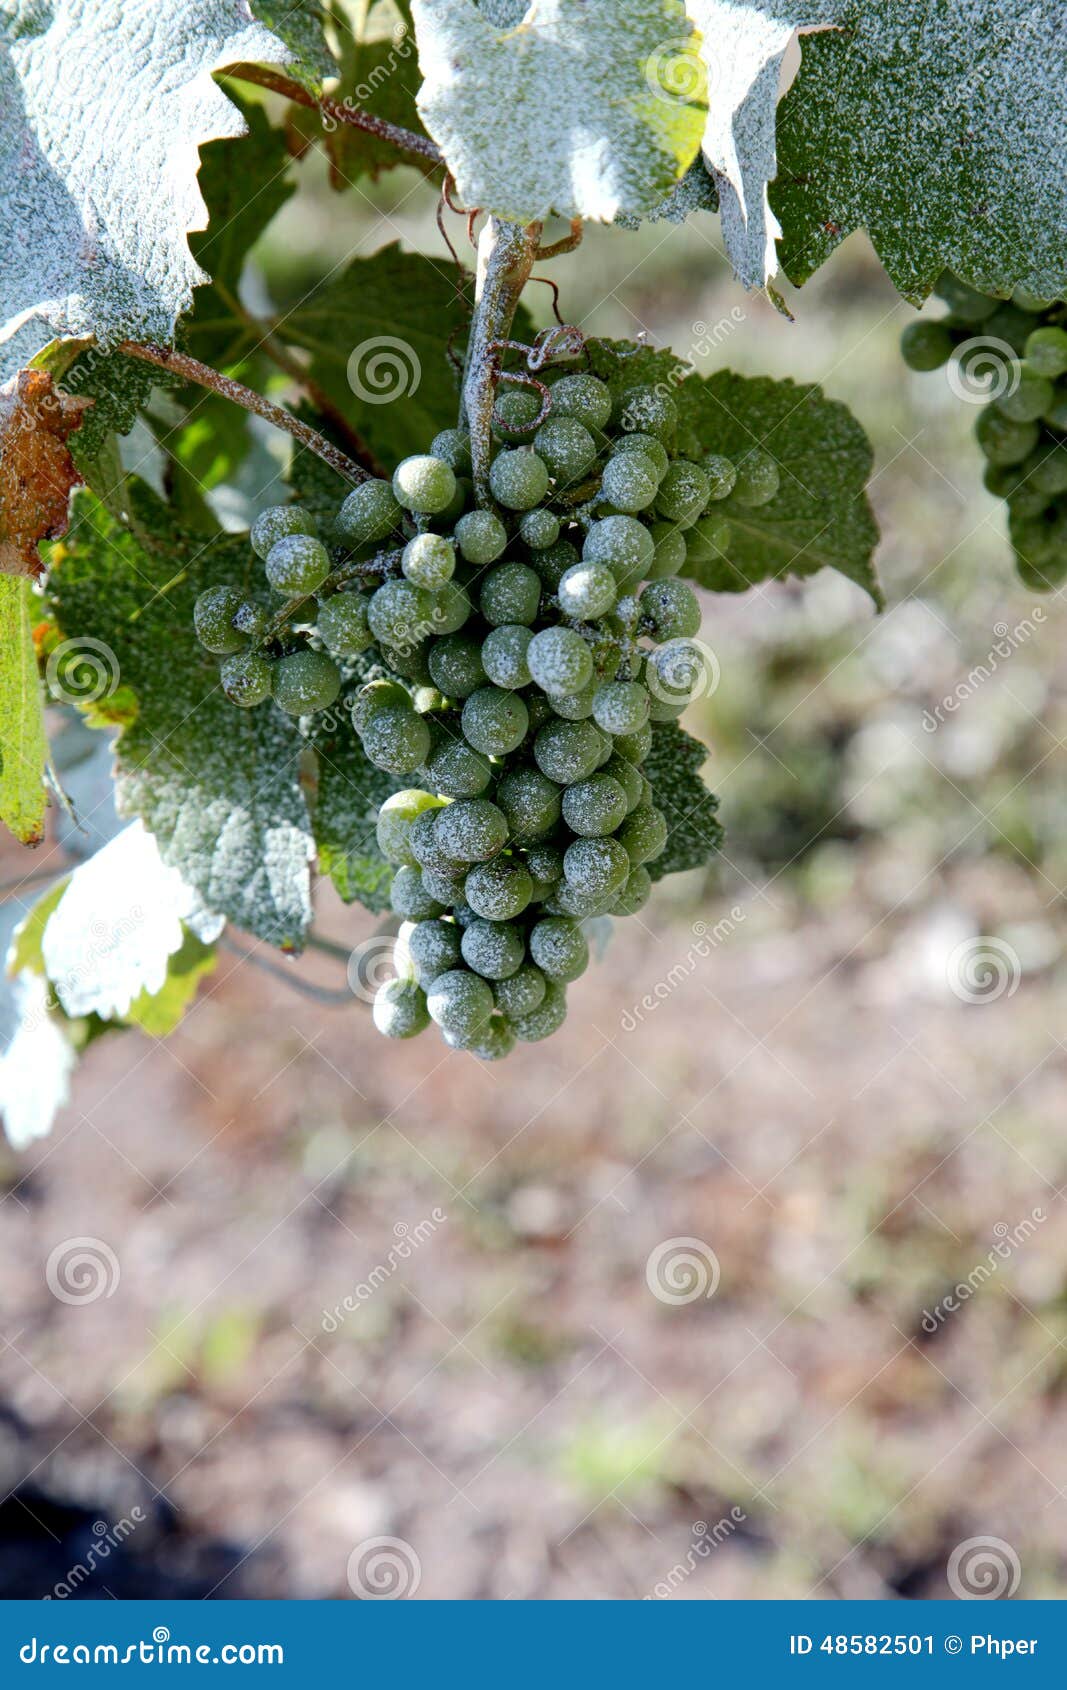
pixel 117 924
pixel 35 1062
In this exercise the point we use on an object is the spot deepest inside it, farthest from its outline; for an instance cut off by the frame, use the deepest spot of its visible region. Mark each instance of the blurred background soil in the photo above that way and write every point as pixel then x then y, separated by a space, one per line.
pixel 807 1097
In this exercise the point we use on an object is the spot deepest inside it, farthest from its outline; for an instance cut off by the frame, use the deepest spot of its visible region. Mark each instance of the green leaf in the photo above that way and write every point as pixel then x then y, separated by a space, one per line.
pixel 298 23
pixel 350 792
pixel 672 767
pixel 104 109
pixel 942 130
pixel 218 787
pixel 567 112
pixel 380 74
pixel 158 1013
pixel 25 952
pixel 820 516
pixel 23 746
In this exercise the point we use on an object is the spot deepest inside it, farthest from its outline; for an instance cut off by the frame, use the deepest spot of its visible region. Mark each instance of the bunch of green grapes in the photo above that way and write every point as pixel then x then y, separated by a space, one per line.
pixel 1018 348
pixel 524 652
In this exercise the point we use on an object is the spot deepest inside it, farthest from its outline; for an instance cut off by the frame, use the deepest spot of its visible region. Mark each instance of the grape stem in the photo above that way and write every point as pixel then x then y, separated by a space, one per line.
pixel 191 369
pixel 507 253
pixel 341 111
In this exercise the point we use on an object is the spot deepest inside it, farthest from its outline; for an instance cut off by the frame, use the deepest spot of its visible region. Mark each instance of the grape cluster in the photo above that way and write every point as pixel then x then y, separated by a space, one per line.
pixel 1018 349
pixel 524 653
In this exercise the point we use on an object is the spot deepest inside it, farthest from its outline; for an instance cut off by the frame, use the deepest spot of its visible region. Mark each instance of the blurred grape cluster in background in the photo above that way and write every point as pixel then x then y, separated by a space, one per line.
pixel 671 1306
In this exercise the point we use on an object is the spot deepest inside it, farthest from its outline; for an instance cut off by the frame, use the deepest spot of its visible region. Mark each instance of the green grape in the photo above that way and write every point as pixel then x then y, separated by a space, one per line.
pixel 567 751
pixel 643 834
pixel 677 674
pixel 396 739
pixel 669 555
pixel 1030 302
pixel 530 801
pixel 245 678
pixel 1056 415
pixel 624 544
pixel 546 1019
pixel 453 447
pixel 519 411
pixel 574 706
pixel 510 593
pixel 672 609
pixel 399 613
pixel 1009 324
pixel 567 448
pixel 558 948
pixel 538 529
pixel 375 696
pixel 518 479
pixel 620 707
pixel 457 770
pixel 634 747
pixel 1046 351
pixel 554 561
pixel 411 661
pixel 577 906
pixel 213 615
pixel 559 660
pixel 503 655
pixel 460 1002
pixel 587 590
pixel 545 863
pixel 648 446
pixel 429 560
pixel 758 479
pixel 649 411
pixel 963 301
pixel 635 894
pixel 399 1009
pixel 926 346
pixel 297 564
pixel 594 807
pixel 481 536
pixel 683 492
pixel 369 514
pixel 1029 395
pixel 494 949
pixel 444 886
pixel 583 397
pixel 343 626
pixel 499 890
pixel 630 482
pixel 456 665
pixel 424 484
pixel 495 1041
pixel 708 538
pixel 410 898
pixel 629 777
pixel 450 608
pixel 1047 475
pixel 522 992
pixel 251 619
pixel 434 948
pixel 539 708
pixel 495 721
pixel 273 525
pixel 304 682
pixel 1003 441
pixel 721 474
pixel 1001 479
pixel 1028 501
pixel 396 819
pixel 424 845
pixel 597 868
pixel 471 830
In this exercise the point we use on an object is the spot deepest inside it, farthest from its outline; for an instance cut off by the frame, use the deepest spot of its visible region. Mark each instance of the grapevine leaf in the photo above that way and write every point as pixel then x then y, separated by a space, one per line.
pixel 941 130
pixel 23 747
pixel 158 1013
pixel 672 767
pixel 37 472
pixel 350 793
pixel 379 74
pixel 299 26
pixel 583 120
pixel 219 788
pixel 104 108
pixel 36 1060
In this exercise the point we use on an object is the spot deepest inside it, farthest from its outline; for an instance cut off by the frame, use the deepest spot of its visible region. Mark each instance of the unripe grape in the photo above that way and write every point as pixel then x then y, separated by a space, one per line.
pixel 634 747
pixel 635 893
pixel 499 890
pixel 370 513
pixel 273 525
pixel 424 484
pixel 411 661
pixel 460 1002
pixel 450 609
pixel 245 678
pixel 721 474
pixel 567 448
pixel 522 991
pixel 574 706
pixel 546 1019
pixel 1026 397
pixel 559 949
pixel 669 557
pixel 1056 415
pixel 594 807
pixel 758 479
pixel 559 660
pixel 481 536
pixel 620 707
pixel 297 564
pixel 455 769
pixel 424 846
pixel 519 411
pixel 495 1041
pixel 213 615
pixel 399 1010
pixel 578 906
pixel 252 619
pixel 456 665
pixel 395 820
pixel 433 947
pixel 444 886
pixel 396 739
pixel 530 801
pixel 643 834
pixel 518 479
pixel 584 397
pixel 545 863
pixel 629 481
pixel 963 301
pixel 567 751
pixel 672 608
pixel 684 491
pixel 304 682
pixel 471 830
pixel 1004 441
pixel 587 590
pixel 409 897
pixel 375 696
pixel 453 447
pixel 429 560
pixel 648 446
pixel 1048 475
pixel 503 655
pixel 554 561
pixel 709 537
pixel 493 949
pixel 1046 351
pixel 539 528
pixel 629 778
pixel 495 721
pixel 342 624
pixel 510 593
pixel 597 867
pixel 926 346
pixel 649 411
pixel 624 544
